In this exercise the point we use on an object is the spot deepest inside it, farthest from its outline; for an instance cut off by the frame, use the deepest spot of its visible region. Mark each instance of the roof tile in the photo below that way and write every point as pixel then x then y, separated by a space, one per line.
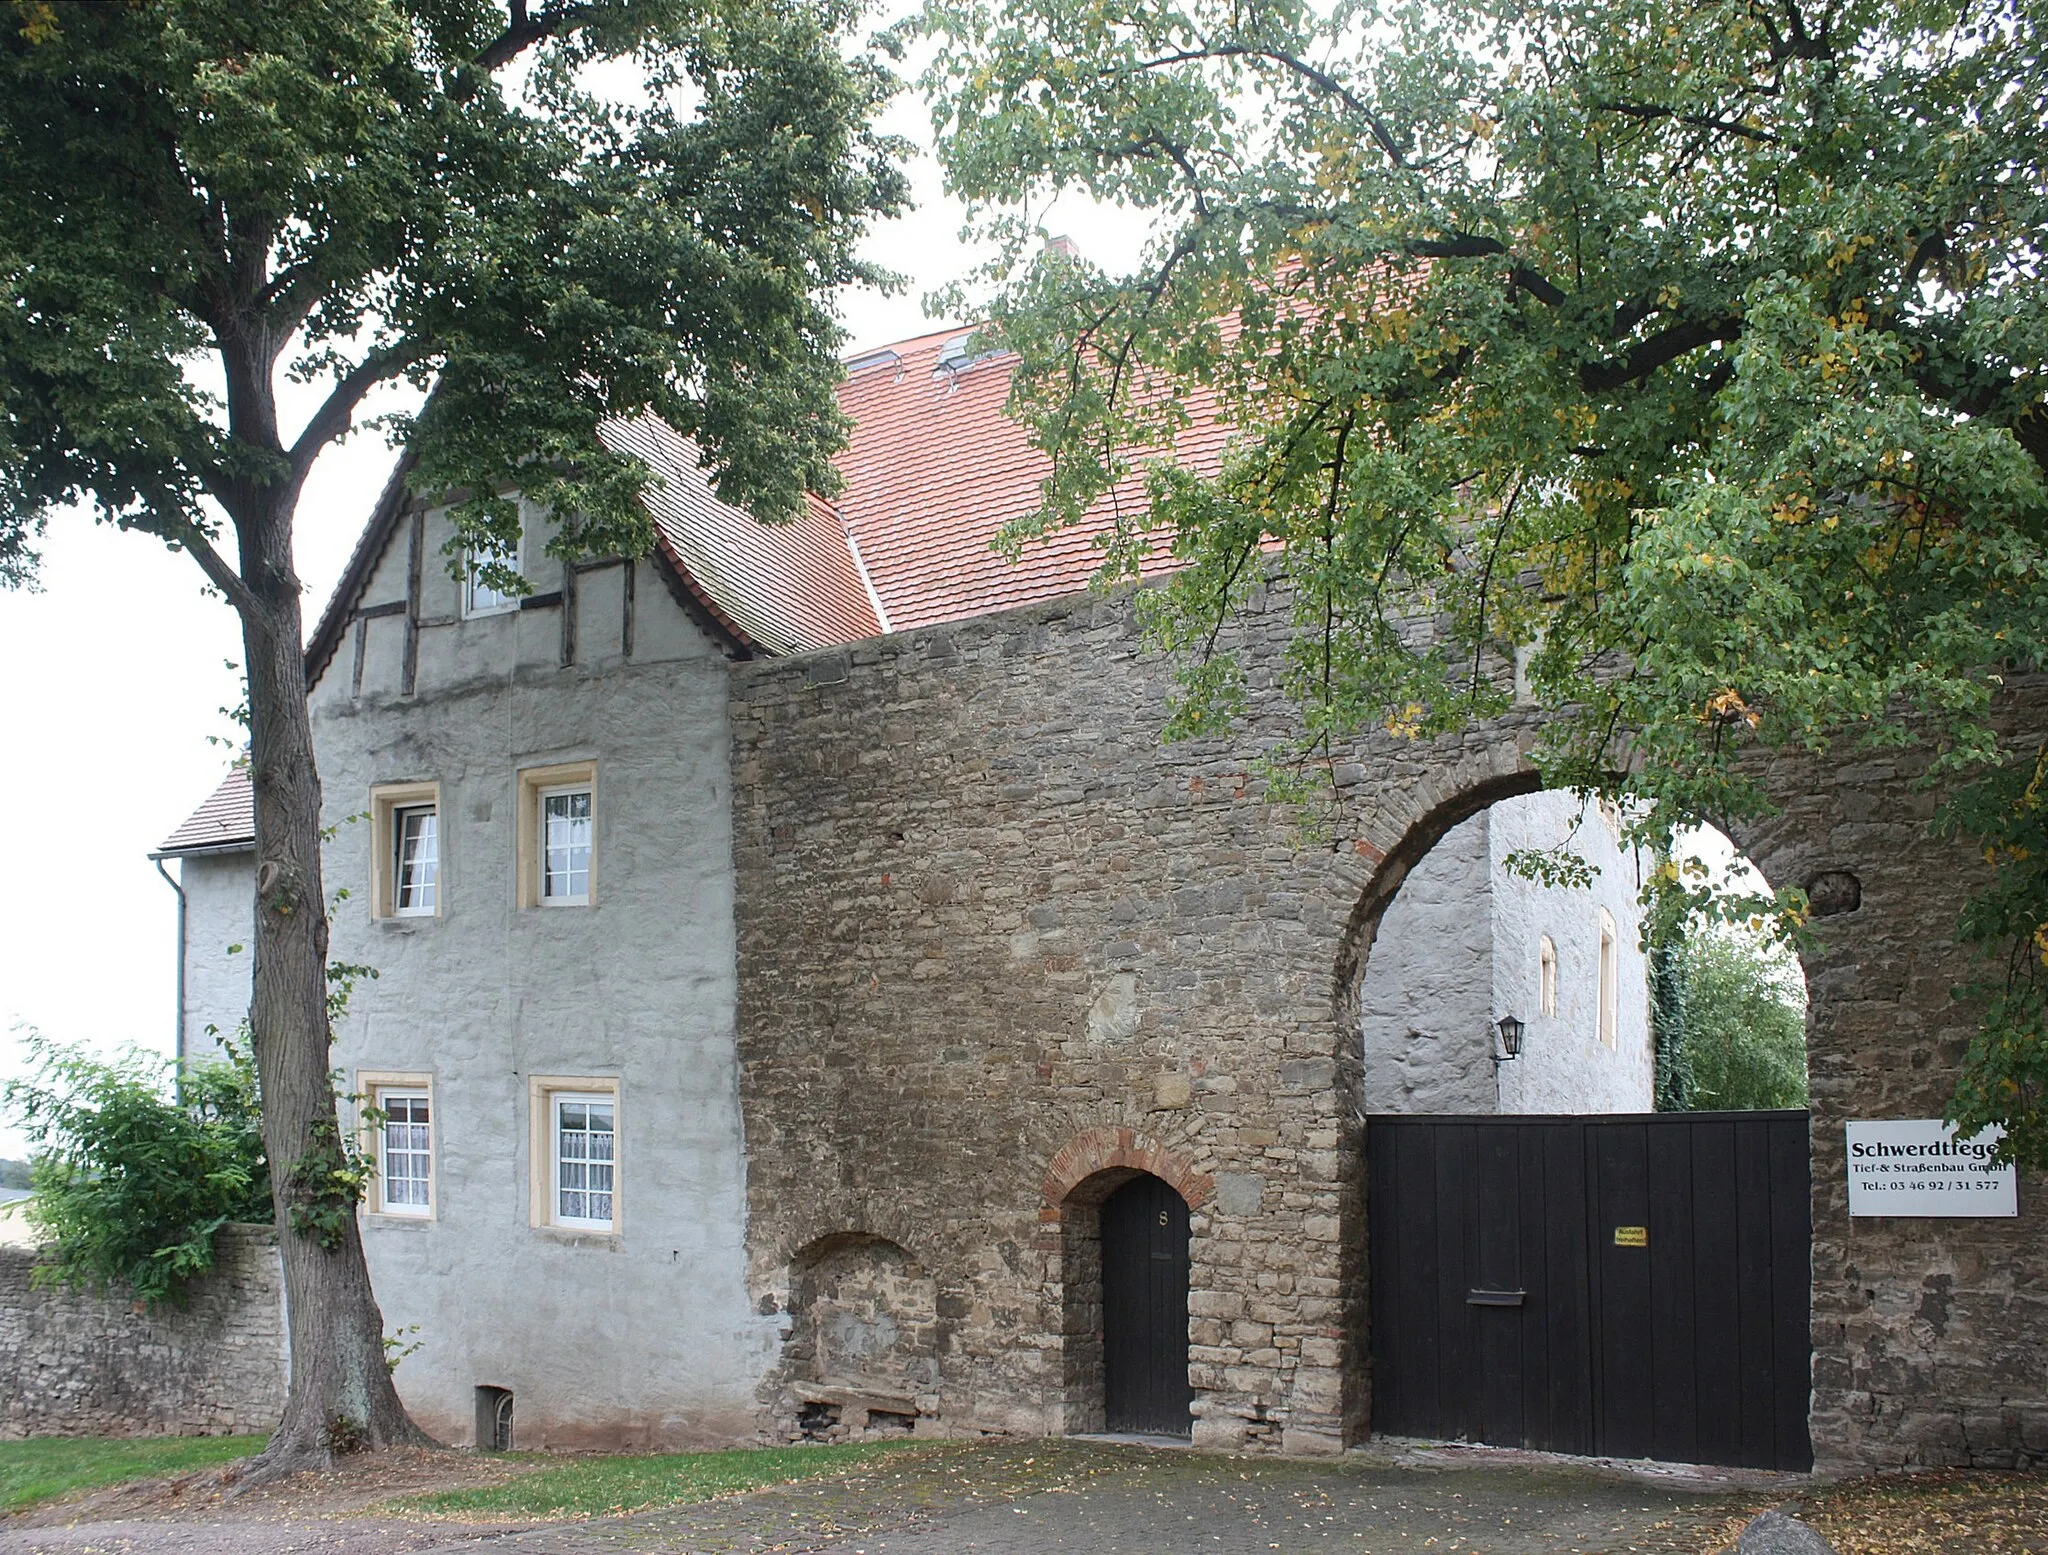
pixel 788 587
pixel 226 820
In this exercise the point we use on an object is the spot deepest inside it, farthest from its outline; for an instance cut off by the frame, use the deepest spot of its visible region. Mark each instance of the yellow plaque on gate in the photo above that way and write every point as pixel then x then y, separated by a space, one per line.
pixel 1631 1236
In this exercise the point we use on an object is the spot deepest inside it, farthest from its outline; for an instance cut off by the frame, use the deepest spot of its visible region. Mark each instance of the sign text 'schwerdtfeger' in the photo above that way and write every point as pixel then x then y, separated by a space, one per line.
pixel 1918 1167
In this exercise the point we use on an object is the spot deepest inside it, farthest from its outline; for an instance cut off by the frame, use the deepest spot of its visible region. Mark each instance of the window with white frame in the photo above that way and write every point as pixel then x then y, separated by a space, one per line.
pixel 478 597
pixel 1546 976
pixel 558 835
pixel 405 873
pixel 585 1146
pixel 1610 977
pixel 565 832
pixel 402 1126
pixel 416 871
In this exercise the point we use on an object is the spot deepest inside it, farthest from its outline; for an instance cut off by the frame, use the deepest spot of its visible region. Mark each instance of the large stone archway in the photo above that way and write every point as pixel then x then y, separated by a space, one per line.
pixel 1930 1346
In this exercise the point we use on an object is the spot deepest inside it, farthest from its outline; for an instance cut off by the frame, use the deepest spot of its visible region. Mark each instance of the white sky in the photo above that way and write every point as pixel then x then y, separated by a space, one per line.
pixel 116 673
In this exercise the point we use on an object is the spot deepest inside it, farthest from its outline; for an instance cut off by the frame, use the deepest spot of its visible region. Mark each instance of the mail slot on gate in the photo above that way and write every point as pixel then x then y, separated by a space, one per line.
pixel 1494 1298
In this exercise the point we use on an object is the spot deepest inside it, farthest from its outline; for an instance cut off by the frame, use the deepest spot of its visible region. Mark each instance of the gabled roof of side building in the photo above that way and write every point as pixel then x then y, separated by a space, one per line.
pixel 781 588
pixel 226 823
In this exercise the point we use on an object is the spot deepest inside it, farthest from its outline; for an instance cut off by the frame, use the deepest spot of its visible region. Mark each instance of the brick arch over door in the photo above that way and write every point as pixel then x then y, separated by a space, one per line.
pixel 1100 1150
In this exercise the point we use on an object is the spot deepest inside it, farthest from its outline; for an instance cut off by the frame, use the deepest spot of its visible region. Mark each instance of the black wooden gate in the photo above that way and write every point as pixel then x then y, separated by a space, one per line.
pixel 1145 1308
pixel 1634 1286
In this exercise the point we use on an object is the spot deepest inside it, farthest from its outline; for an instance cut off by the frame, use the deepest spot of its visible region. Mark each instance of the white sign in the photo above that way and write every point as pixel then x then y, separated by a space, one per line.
pixel 1919 1167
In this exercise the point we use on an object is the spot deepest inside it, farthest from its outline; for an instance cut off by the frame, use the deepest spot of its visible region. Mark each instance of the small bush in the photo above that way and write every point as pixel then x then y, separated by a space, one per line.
pixel 133 1173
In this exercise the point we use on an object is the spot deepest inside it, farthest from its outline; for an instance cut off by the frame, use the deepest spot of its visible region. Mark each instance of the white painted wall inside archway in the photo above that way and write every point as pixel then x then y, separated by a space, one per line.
pixel 1460 946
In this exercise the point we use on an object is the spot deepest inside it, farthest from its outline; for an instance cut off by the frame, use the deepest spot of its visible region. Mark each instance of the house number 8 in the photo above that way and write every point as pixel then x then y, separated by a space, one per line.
pixel 1165 1219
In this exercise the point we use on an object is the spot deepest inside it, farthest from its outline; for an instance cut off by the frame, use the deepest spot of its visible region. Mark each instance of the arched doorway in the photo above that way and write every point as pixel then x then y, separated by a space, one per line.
pixel 1145 1308
pixel 1555 1259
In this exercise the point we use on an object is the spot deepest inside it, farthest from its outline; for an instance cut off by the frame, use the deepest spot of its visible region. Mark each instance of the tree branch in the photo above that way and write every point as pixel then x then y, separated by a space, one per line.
pixel 1647 112
pixel 1323 80
pixel 1645 357
pixel 1472 245
pixel 525 31
pixel 338 409
pixel 193 539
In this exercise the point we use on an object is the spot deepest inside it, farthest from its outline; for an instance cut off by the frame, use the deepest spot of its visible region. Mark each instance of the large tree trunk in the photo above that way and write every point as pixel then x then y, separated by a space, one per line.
pixel 341 1396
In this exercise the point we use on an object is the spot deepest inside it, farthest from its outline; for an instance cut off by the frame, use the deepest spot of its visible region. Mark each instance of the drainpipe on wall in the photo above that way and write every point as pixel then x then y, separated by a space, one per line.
pixel 177 1047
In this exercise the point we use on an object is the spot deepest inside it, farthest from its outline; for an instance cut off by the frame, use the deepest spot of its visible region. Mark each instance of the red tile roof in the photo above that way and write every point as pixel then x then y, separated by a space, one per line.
pixel 227 821
pixel 934 469
pixel 787 588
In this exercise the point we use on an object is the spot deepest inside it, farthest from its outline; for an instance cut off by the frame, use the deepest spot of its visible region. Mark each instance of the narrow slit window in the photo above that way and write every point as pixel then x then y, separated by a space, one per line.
pixel 586 1162
pixel 405 1153
pixel 565 827
pixel 416 875
pixel 1546 977
pixel 1610 978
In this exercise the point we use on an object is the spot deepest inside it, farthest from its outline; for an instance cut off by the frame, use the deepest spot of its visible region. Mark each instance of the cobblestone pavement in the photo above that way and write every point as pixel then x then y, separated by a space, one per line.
pixel 1043 1497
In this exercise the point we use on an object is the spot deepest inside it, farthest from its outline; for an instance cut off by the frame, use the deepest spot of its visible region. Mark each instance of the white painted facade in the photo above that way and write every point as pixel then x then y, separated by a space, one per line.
pixel 1462 945
pixel 220 927
pixel 637 1336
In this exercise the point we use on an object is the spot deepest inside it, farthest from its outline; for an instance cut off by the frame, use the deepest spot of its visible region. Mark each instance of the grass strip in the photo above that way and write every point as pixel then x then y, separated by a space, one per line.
pixel 606 1486
pixel 45 1467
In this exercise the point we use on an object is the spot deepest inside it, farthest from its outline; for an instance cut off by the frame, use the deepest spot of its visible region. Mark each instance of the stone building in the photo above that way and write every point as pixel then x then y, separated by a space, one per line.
pixel 796 947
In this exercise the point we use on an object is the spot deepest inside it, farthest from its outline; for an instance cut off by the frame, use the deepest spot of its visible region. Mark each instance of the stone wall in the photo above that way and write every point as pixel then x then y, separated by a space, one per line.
pixel 1426 1012
pixel 998 944
pixel 997 940
pixel 1930 1336
pixel 82 1365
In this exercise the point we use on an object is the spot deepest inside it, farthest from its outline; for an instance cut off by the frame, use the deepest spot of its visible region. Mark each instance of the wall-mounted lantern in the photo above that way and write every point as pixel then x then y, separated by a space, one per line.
pixel 1510 1041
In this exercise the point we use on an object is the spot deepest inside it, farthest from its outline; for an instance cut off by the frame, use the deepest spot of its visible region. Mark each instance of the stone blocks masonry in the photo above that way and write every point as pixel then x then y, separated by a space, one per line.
pixel 999 946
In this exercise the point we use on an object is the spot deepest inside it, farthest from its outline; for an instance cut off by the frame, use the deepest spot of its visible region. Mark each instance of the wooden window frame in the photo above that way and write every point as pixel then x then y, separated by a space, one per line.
pixel 542 1092
pixel 535 784
pixel 386 800
pixel 372 1085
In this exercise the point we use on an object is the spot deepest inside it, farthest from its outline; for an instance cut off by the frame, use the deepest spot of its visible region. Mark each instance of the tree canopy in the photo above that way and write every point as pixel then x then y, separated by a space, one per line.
pixel 357 185
pixel 1734 1024
pixel 1696 350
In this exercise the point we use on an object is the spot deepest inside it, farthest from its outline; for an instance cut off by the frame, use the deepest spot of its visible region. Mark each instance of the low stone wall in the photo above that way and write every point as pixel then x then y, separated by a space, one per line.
pixel 76 1364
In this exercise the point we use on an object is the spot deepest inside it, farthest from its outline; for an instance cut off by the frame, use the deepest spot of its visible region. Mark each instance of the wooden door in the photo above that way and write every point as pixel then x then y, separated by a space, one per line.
pixel 1628 1285
pixel 1145 1308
